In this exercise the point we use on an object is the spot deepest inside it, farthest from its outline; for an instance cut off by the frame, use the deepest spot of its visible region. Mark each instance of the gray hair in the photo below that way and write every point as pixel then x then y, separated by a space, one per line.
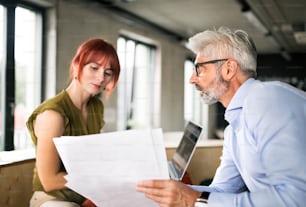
pixel 225 43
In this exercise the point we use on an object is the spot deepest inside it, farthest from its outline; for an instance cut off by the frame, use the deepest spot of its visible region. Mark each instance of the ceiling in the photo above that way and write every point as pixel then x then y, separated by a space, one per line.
pixel 282 29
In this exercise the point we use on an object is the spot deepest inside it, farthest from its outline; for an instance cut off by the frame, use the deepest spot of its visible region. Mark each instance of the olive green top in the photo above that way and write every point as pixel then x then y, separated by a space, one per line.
pixel 74 126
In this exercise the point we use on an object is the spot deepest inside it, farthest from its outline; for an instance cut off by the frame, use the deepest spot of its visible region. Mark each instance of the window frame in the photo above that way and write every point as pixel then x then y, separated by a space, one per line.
pixel 8 97
pixel 123 120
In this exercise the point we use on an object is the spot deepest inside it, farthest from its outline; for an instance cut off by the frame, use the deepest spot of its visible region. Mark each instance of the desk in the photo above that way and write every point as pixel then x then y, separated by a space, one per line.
pixel 9 157
pixel 16 183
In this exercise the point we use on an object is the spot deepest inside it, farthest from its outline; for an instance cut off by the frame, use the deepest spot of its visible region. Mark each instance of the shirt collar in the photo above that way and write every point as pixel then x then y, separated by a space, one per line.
pixel 238 99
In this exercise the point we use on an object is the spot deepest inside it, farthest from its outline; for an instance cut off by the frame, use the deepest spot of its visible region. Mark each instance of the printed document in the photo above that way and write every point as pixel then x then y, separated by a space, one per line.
pixel 106 167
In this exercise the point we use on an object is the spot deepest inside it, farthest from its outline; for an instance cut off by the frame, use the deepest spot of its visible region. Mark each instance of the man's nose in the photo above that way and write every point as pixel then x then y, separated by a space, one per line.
pixel 193 78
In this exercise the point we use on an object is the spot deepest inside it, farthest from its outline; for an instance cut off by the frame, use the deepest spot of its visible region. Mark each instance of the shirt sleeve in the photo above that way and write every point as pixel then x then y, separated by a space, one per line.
pixel 227 177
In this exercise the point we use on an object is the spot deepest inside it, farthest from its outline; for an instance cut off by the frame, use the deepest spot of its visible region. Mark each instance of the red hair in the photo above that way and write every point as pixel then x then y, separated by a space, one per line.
pixel 98 51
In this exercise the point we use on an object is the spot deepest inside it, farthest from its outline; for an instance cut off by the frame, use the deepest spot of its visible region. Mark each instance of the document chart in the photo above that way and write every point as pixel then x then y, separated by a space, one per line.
pixel 106 167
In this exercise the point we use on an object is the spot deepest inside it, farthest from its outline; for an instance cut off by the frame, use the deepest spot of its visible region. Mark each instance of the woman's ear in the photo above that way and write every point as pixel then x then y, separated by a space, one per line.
pixel 75 67
pixel 229 69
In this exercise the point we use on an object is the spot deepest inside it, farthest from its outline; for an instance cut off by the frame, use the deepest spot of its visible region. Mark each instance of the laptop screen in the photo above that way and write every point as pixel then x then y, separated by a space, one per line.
pixel 186 148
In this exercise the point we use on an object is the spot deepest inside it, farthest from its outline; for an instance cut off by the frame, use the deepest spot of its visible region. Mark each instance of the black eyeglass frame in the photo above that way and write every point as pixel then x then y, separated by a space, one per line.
pixel 198 65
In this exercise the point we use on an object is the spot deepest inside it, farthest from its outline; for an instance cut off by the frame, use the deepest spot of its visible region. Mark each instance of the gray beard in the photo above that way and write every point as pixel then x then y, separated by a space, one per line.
pixel 208 98
pixel 213 94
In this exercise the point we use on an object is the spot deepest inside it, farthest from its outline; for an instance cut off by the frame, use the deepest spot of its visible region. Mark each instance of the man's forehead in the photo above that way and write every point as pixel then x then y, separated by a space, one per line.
pixel 200 57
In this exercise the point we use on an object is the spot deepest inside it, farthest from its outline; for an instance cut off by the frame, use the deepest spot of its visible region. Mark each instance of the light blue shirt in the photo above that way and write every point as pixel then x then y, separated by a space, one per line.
pixel 264 149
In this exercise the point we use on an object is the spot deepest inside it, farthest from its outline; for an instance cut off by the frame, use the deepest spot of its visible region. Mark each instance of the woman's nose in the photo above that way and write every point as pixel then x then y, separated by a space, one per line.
pixel 101 75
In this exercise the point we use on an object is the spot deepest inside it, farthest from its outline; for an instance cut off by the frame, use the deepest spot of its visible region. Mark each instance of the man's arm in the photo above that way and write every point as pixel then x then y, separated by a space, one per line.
pixel 273 151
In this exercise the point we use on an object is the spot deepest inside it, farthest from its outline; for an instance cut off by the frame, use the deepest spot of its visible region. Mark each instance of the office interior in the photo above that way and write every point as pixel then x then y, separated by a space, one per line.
pixel 150 37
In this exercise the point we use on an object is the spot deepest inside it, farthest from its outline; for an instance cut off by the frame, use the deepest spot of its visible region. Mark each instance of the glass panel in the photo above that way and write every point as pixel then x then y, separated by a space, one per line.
pixel 126 53
pixel 121 97
pixel 129 78
pixel 142 93
pixel 28 73
pixel 2 59
pixel 194 109
pixel 136 85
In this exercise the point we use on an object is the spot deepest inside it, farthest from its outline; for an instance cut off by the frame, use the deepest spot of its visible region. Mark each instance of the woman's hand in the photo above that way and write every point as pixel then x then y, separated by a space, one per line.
pixel 88 203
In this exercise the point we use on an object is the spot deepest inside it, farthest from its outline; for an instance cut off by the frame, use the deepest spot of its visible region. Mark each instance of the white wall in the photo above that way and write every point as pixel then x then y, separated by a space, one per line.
pixel 76 21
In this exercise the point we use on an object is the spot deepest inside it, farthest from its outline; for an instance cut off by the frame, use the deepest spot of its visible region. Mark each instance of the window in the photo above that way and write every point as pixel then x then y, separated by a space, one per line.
pixel 194 109
pixel 2 80
pixel 21 73
pixel 138 86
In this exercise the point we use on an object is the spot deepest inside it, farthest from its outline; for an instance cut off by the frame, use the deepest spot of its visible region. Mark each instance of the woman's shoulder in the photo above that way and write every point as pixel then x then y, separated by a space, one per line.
pixel 47 112
pixel 58 98
pixel 51 116
pixel 56 103
pixel 52 104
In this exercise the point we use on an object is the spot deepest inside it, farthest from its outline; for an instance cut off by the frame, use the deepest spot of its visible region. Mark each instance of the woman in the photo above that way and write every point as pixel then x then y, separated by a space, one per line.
pixel 77 110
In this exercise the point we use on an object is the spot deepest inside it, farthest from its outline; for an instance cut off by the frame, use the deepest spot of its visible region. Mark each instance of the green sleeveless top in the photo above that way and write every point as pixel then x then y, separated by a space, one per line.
pixel 74 126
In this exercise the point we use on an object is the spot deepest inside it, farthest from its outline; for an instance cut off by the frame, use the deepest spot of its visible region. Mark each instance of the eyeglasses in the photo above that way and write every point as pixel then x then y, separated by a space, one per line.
pixel 198 65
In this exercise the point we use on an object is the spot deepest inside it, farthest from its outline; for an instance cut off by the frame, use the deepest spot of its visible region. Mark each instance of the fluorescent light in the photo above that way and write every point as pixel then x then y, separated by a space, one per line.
pixel 285 55
pixel 300 37
pixel 255 21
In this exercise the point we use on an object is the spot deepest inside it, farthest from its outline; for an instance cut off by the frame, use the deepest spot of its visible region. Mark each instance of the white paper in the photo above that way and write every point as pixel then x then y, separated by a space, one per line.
pixel 106 167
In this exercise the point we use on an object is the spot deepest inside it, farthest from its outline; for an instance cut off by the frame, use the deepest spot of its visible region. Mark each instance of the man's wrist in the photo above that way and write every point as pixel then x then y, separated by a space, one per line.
pixel 205 195
pixel 202 200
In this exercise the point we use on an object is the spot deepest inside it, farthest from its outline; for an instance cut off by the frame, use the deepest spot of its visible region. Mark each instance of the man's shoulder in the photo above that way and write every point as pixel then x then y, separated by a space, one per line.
pixel 274 91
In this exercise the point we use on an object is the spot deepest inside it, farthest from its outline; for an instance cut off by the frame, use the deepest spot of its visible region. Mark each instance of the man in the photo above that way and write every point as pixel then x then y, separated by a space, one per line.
pixel 263 159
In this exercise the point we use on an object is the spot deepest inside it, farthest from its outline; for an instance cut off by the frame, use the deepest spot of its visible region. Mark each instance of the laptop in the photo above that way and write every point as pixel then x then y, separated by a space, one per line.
pixel 183 154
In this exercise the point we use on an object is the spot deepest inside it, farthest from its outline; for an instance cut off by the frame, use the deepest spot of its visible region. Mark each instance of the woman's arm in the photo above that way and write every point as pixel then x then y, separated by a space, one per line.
pixel 49 124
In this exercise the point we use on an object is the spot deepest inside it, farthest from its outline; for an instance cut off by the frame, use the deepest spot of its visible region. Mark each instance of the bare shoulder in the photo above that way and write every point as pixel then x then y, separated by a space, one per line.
pixel 49 123
pixel 49 117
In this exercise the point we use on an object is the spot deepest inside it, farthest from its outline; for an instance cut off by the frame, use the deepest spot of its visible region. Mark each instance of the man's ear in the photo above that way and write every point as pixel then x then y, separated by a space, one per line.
pixel 229 69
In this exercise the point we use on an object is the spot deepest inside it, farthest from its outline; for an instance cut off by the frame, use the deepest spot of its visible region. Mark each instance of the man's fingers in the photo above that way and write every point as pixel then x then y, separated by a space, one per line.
pixel 164 192
pixel 150 190
pixel 153 183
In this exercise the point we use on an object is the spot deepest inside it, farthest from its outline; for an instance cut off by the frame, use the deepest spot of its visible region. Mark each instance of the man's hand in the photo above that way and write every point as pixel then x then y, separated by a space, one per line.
pixel 168 193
